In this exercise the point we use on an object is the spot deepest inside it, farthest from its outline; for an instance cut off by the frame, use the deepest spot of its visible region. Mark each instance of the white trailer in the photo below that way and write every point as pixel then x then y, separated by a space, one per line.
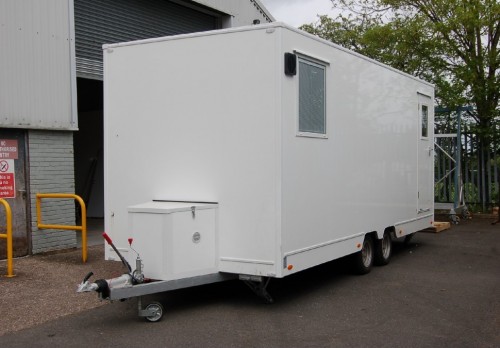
pixel 260 152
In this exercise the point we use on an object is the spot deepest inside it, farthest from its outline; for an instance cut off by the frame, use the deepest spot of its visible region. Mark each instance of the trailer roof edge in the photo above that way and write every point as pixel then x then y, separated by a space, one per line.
pixel 261 27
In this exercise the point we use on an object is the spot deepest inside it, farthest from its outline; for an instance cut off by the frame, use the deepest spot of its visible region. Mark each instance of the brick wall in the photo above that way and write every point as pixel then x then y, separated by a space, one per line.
pixel 51 170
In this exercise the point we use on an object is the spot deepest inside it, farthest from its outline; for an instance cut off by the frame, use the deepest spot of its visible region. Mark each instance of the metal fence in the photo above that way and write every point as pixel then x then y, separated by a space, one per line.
pixel 466 164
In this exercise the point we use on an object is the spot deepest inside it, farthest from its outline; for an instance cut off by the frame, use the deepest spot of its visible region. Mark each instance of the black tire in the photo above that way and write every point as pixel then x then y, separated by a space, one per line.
pixel 383 250
pixel 363 260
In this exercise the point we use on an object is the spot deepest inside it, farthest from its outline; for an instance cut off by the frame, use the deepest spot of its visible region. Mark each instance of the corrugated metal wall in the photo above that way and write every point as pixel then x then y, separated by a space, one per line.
pixel 243 12
pixel 111 21
pixel 36 82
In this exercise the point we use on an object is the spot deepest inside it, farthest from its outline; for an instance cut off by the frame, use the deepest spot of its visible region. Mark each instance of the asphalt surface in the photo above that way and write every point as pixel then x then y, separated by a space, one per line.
pixel 441 290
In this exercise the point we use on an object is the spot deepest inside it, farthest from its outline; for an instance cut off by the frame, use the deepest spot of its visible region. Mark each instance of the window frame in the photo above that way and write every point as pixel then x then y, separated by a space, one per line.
pixel 421 119
pixel 323 65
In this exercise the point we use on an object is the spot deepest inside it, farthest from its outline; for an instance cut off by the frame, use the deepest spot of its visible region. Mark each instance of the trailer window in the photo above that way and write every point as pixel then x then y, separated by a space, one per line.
pixel 425 121
pixel 312 106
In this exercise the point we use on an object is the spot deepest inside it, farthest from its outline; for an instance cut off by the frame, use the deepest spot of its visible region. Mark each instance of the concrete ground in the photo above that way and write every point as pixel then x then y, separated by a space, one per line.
pixel 440 291
pixel 95 228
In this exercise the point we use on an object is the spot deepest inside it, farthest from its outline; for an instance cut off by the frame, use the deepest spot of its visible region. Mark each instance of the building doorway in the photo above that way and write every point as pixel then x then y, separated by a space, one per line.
pixel 88 145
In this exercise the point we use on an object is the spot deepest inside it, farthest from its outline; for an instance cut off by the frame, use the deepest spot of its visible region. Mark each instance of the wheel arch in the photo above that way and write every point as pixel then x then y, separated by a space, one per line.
pixel 373 235
pixel 391 230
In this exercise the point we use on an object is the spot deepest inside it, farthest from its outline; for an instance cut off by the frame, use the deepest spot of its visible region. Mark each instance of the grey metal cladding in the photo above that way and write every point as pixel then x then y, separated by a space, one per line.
pixel 110 21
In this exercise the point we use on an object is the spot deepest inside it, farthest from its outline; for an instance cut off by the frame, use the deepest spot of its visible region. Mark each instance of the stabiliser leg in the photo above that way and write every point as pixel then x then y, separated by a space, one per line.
pixel 258 285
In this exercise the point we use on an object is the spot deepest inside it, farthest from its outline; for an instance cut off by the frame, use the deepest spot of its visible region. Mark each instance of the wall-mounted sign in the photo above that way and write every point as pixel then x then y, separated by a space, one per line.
pixel 7 178
pixel 8 149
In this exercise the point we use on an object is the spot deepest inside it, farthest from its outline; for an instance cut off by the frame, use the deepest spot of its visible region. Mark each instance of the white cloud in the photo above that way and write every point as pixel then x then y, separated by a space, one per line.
pixel 298 12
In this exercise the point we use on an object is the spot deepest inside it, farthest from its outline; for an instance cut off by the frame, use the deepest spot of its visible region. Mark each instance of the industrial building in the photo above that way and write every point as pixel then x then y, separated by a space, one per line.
pixel 51 97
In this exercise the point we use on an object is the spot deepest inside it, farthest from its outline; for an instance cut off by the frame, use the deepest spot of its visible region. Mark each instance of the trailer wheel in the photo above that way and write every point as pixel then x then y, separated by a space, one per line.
pixel 157 309
pixel 383 250
pixel 363 260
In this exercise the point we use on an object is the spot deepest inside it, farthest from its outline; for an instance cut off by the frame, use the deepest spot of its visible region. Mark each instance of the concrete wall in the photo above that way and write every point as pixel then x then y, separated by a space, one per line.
pixel 52 171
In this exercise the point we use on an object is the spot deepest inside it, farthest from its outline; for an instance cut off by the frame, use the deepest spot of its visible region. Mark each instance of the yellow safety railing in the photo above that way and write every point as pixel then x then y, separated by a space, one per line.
pixel 8 236
pixel 82 227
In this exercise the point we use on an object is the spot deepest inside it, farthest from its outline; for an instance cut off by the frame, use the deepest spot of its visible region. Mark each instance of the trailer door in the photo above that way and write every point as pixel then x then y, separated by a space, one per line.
pixel 425 155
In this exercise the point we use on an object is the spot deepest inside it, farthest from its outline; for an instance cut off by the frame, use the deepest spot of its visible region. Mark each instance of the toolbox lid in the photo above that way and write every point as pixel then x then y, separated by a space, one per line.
pixel 168 207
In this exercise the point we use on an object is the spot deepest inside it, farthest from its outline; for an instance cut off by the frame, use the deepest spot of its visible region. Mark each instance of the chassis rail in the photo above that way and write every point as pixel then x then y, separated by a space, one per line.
pixel 168 285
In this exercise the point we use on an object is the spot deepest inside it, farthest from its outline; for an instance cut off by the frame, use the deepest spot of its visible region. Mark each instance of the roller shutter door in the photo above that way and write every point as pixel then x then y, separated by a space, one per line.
pixel 111 21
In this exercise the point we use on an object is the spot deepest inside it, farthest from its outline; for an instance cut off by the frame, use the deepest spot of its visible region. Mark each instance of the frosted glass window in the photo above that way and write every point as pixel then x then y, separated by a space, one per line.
pixel 311 97
pixel 425 121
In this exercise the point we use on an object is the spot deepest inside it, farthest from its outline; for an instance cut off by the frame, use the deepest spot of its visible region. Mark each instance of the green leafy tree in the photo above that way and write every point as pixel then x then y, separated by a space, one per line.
pixel 451 43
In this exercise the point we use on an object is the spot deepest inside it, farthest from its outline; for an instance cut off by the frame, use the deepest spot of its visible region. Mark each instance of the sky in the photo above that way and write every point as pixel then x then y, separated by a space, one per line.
pixel 298 12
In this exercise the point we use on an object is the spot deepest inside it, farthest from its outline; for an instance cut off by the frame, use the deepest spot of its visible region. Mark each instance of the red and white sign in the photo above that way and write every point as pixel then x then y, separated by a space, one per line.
pixel 7 179
pixel 8 149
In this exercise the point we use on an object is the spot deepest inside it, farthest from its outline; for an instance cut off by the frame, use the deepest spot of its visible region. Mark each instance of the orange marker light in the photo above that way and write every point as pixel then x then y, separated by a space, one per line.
pixel 289 267
pixel 359 245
